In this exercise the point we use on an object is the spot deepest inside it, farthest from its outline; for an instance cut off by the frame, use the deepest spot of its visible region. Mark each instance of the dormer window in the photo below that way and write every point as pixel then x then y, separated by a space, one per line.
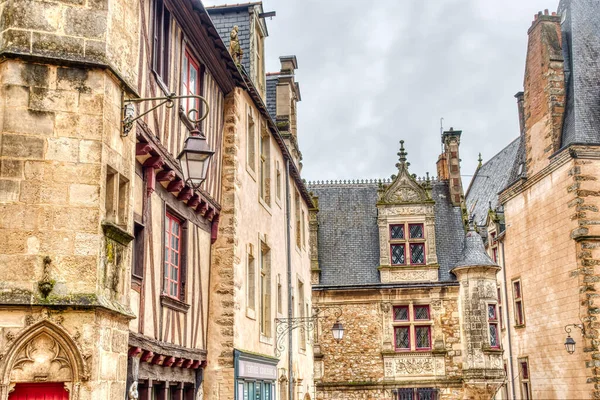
pixel 407 244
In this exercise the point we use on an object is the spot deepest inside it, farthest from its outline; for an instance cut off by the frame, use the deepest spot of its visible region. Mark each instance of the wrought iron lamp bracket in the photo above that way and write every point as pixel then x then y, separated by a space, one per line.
pixel 580 326
pixel 285 326
pixel 128 109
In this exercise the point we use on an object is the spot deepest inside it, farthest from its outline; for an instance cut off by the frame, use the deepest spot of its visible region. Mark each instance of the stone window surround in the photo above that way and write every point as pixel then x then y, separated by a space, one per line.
pixel 518 305
pixel 493 321
pixel 251 142
pixel 265 312
pixel 250 282
pixel 407 241
pixel 412 323
pixel 524 377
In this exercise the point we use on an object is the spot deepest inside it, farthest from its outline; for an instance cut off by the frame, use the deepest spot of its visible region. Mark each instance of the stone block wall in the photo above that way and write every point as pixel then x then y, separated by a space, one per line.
pixel 102 32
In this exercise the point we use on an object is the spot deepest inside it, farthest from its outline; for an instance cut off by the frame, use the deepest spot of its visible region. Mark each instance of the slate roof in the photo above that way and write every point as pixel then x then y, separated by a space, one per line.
pixel 349 237
pixel 473 252
pixel 226 17
pixel 581 46
pixel 489 180
pixel 272 95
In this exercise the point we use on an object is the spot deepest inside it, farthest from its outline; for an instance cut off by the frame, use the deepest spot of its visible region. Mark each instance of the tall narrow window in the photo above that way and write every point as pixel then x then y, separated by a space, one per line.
pixel 265 166
pixel 500 314
pixel 412 328
pixel 303 229
pixel 518 303
pixel 160 50
pixel 493 326
pixel 298 223
pixel 116 198
pixel 302 330
pixel 524 378
pixel 138 251
pixel 407 244
pixel 191 84
pixel 172 271
pixel 251 139
pixel 278 181
pixel 265 290
pixel 279 295
pixel 250 279
pixel 258 58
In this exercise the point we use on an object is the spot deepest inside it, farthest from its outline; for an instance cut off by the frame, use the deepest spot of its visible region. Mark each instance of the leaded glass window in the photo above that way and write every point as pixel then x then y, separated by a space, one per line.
pixel 422 312
pixel 415 231
pixel 423 337
pixel 402 334
pixel 397 231
pixel 401 313
pixel 493 326
pixel 416 394
pixel 417 253
pixel 398 254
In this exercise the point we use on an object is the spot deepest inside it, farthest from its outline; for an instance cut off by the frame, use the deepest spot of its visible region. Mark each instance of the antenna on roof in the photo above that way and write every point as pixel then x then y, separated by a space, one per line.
pixel 442 132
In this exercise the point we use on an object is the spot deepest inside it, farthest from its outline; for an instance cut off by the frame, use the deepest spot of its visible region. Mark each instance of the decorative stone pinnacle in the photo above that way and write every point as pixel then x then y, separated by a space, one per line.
pixel 480 161
pixel 402 154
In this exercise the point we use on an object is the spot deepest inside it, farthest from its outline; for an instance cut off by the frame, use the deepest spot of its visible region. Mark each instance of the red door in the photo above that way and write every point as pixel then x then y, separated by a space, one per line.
pixel 39 391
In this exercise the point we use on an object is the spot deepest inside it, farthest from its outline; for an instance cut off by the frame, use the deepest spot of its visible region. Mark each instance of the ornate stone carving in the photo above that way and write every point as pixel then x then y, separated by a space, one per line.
pixel 413 365
pixel 42 359
pixel 234 46
pixel 404 274
pixel 133 394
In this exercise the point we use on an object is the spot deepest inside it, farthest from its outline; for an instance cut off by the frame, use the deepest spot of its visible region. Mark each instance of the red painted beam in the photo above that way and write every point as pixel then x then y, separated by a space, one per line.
pixel 214 229
pixel 158 359
pixel 155 162
pixel 194 201
pixel 164 176
pixel 202 207
pixel 141 149
pixel 179 362
pixel 169 361
pixel 188 363
pixel 134 351
pixel 196 364
pixel 150 178
pixel 185 194
pixel 209 214
pixel 175 186
pixel 147 356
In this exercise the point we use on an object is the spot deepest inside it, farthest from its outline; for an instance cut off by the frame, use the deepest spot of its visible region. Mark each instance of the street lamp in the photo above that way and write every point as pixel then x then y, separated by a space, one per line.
pixel 569 341
pixel 338 331
pixel 195 158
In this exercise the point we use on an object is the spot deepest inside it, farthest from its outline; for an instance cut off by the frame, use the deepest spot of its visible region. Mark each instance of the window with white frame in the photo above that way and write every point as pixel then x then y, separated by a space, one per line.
pixel 412 327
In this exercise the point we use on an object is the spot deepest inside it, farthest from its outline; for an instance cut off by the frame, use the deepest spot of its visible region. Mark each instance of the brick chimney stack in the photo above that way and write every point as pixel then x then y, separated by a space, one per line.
pixel 544 97
pixel 449 165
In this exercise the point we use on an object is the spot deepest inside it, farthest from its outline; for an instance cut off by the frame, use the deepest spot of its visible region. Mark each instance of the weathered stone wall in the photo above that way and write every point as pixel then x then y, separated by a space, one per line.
pixel 364 364
pixel 60 131
pixel 542 217
pixel 101 32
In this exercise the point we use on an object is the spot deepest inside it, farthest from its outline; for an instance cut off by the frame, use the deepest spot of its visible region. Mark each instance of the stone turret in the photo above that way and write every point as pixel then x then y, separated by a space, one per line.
pixel 478 308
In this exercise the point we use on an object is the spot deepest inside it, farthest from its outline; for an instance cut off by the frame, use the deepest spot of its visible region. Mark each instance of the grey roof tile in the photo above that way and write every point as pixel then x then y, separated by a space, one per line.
pixel 473 253
pixel 225 20
pixel 349 236
pixel 489 180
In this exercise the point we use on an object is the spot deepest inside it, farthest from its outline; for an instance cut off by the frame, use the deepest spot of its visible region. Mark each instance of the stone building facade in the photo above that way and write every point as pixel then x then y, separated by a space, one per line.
pixel 538 211
pixel 260 276
pixel 413 287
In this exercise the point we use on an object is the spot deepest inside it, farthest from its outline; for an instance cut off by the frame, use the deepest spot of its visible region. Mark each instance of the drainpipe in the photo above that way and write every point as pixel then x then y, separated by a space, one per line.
pixel 289 275
pixel 510 355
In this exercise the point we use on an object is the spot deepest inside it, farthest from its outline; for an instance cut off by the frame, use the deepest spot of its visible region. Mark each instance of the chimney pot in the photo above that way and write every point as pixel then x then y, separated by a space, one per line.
pixel 554 14
pixel 546 12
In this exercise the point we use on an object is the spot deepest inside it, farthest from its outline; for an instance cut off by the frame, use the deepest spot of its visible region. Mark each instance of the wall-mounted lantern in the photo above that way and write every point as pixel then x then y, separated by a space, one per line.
pixel 569 341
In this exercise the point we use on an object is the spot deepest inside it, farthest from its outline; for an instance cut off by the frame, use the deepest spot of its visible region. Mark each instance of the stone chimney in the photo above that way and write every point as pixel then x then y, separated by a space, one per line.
pixel 288 95
pixel 544 97
pixel 449 165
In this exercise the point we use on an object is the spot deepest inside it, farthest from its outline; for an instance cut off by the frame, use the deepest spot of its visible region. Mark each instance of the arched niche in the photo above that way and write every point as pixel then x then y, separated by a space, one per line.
pixel 44 352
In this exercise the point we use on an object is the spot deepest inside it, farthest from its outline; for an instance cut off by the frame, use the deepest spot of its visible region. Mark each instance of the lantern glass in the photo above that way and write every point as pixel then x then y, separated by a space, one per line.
pixel 194 160
pixel 338 331
pixel 570 345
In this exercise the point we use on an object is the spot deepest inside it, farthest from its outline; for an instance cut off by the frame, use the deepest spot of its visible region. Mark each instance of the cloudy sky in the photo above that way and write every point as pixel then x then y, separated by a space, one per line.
pixel 374 72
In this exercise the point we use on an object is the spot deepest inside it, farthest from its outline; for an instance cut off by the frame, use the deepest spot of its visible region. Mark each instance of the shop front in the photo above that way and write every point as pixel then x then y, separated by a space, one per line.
pixel 255 376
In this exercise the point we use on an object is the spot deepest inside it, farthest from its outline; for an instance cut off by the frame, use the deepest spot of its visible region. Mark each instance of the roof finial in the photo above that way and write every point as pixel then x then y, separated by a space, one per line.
pixel 402 156
pixel 480 160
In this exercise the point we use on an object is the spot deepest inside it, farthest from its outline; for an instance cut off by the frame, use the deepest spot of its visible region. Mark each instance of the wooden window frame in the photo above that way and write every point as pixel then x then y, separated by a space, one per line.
pixel 137 268
pixel 251 128
pixel 188 61
pixel 519 308
pixel 407 242
pixel 170 218
pixel 161 41
pixel 412 323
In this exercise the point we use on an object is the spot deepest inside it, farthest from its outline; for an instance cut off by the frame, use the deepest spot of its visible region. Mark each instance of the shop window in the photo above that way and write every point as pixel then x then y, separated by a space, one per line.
pixel 407 244
pixel 412 327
